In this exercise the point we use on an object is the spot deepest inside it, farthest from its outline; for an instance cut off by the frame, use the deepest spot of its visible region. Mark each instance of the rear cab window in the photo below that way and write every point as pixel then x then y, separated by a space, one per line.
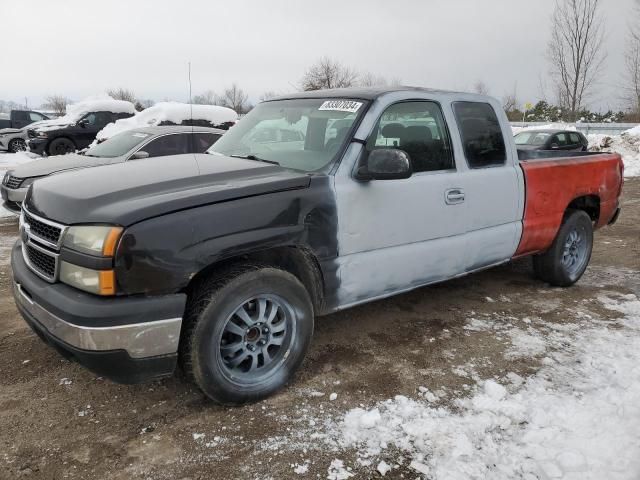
pixel 481 134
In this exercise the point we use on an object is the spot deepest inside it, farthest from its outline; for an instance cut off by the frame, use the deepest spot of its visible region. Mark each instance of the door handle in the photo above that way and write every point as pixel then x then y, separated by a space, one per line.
pixel 454 196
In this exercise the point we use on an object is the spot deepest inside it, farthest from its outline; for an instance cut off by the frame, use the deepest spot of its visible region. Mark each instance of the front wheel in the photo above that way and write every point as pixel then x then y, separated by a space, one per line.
pixel 567 259
pixel 17 145
pixel 61 146
pixel 246 333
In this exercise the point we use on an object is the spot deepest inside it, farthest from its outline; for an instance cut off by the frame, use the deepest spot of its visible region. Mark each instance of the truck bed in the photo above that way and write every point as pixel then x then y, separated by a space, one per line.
pixel 556 180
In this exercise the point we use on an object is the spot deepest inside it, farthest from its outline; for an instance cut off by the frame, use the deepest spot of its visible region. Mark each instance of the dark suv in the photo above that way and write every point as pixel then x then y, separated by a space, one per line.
pixel 61 139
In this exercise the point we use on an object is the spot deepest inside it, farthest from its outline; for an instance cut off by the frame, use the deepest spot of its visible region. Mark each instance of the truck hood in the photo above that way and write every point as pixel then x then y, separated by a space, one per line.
pixel 59 163
pixel 129 192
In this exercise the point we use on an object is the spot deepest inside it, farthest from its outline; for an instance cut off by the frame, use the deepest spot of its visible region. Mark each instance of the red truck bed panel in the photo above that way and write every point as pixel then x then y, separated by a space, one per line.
pixel 551 185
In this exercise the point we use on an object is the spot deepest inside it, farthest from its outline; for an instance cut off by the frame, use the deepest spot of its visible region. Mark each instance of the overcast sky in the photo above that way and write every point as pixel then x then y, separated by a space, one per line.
pixel 82 47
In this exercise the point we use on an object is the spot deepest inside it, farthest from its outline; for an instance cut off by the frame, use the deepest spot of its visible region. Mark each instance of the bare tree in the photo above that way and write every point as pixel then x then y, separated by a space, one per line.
pixel 481 88
pixel 122 94
pixel 510 99
pixel 575 51
pixel 57 103
pixel 371 80
pixel 632 64
pixel 234 98
pixel 206 98
pixel 328 73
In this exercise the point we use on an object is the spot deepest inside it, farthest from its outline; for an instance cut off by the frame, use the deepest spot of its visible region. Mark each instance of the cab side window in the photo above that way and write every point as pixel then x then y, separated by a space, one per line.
pixel 560 139
pixel 481 134
pixel 575 139
pixel 419 129
pixel 175 144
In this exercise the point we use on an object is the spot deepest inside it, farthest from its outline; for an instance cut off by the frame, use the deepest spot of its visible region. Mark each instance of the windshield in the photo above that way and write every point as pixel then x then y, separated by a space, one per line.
pixel 117 145
pixel 303 134
pixel 531 138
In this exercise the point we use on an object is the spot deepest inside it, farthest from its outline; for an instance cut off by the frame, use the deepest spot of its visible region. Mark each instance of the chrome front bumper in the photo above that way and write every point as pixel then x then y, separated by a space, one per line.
pixel 139 340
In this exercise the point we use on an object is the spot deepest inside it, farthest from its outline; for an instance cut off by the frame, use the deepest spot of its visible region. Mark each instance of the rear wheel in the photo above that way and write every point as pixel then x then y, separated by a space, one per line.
pixel 246 333
pixel 567 259
pixel 17 145
pixel 61 146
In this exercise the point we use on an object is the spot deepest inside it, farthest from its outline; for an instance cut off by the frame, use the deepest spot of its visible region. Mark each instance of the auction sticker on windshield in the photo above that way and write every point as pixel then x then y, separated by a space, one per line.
pixel 341 105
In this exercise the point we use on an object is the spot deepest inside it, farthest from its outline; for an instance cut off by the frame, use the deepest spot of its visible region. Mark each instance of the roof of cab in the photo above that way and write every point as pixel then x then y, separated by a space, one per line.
pixel 364 93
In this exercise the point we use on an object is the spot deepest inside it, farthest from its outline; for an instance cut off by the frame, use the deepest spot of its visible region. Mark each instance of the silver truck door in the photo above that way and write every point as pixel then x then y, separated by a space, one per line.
pixel 395 235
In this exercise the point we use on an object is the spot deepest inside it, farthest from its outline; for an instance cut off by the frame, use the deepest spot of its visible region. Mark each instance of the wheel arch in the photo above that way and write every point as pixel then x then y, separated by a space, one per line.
pixel 295 259
pixel 588 203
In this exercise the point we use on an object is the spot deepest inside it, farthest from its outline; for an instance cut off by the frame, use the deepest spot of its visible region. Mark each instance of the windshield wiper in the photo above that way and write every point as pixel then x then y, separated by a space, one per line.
pixel 253 157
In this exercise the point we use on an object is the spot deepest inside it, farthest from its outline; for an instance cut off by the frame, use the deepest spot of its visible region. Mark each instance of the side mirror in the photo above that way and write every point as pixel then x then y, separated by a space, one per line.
pixel 82 123
pixel 554 146
pixel 385 164
pixel 138 155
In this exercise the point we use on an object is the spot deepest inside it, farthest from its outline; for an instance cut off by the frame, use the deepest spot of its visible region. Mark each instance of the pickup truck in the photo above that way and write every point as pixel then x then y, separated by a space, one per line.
pixel 221 261
pixel 21 118
pixel 70 133
pixel 11 128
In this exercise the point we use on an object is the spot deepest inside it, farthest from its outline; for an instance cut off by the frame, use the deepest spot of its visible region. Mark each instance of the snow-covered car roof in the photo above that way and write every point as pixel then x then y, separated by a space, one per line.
pixel 75 111
pixel 172 113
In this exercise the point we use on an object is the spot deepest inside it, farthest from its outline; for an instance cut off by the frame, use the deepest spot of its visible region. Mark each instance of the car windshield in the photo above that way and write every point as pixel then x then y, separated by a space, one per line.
pixel 531 138
pixel 117 145
pixel 302 134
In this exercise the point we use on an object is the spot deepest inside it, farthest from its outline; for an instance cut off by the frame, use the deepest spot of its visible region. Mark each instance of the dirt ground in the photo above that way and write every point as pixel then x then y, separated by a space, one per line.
pixel 58 420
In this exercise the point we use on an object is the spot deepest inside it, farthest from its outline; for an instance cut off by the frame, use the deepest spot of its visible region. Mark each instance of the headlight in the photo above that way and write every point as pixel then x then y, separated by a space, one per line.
pixel 42 134
pixel 28 181
pixel 94 240
pixel 100 282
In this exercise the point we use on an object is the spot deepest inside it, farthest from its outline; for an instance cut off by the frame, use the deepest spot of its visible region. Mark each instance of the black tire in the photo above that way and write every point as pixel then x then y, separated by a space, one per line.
pixel 567 259
pixel 17 145
pixel 61 146
pixel 210 328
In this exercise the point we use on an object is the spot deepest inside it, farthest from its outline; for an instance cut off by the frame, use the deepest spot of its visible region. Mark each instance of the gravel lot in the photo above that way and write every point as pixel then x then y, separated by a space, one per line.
pixel 58 420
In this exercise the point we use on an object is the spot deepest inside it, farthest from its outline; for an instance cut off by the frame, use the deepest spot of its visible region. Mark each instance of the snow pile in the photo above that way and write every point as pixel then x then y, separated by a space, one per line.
pixel 174 113
pixel 627 145
pixel 96 103
pixel 577 418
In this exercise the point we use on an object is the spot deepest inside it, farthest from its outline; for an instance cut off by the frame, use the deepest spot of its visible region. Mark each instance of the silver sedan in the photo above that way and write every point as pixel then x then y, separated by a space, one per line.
pixel 133 144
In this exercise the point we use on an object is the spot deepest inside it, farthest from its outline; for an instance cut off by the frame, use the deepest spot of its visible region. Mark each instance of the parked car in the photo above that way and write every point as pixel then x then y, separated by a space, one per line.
pixel 134 144
pixel 569 140
pixel 67 135
pixel 21 118
pixel 12 130
pixel 221 261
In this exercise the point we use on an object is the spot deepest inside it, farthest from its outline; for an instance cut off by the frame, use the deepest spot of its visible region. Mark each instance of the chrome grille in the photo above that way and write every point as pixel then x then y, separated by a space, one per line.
pixel 41 261
pixel 13 182
pixel 43 230
pixel 41 242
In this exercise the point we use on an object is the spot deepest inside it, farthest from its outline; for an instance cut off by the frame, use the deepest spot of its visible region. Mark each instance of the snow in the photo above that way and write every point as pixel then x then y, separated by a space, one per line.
pixel 627 145
pixel 173 112
pixel 578 417
pixel 337 471
pixel 75 111
pixel 383 468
